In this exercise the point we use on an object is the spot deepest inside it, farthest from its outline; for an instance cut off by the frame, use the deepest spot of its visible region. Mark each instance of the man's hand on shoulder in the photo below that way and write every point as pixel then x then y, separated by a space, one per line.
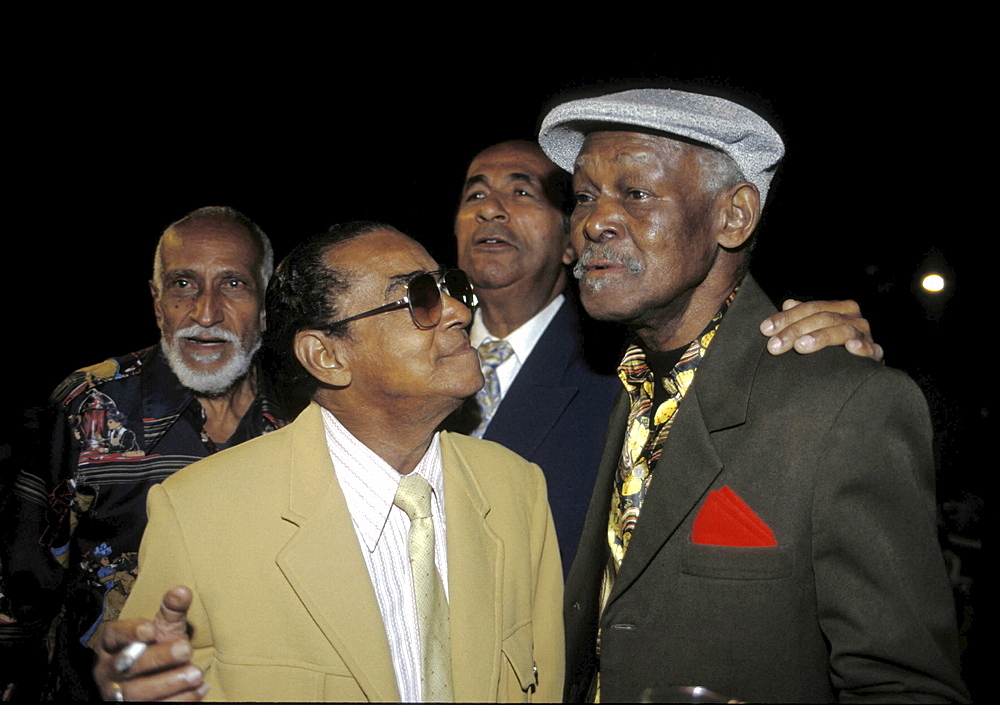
pixel 142 660
pixel 814 325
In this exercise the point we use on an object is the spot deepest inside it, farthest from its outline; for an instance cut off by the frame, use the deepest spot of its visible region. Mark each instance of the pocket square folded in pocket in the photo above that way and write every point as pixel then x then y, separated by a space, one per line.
pixel 726 520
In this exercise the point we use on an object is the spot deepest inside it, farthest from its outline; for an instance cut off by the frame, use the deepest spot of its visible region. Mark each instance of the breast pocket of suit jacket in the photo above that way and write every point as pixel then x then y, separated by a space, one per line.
pixel 737 562
pixel 738 594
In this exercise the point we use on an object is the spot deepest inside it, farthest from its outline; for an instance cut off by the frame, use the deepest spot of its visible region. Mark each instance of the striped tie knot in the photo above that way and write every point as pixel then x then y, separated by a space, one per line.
pixel 492 353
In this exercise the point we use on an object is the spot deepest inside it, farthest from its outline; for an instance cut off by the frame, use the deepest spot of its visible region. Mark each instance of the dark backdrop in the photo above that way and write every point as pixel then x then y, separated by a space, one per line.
pixel 115 142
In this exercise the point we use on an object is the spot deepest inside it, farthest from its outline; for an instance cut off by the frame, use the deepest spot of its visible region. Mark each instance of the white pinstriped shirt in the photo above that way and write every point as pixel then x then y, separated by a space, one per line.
pixel 369 485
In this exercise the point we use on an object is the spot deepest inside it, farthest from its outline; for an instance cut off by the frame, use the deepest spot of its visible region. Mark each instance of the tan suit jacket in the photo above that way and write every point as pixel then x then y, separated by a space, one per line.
pixel 284 608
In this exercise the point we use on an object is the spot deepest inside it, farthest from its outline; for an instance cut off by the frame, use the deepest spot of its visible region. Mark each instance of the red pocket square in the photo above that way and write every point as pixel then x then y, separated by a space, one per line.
pixel 726 520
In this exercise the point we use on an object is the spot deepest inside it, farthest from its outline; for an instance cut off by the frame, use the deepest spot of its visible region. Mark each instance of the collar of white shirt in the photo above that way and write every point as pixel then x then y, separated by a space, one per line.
pixel 522 340
pixel 369 483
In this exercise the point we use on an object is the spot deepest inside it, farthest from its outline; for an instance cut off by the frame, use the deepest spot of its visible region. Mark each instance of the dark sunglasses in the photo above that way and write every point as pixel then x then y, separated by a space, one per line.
pixel 423 297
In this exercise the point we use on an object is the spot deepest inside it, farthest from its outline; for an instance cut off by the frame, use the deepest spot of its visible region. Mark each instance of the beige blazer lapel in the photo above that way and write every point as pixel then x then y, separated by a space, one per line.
pixel 475 581
pixel 324 566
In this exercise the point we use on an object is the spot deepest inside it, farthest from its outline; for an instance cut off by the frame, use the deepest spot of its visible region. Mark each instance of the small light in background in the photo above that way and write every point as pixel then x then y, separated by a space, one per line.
pixel 933 283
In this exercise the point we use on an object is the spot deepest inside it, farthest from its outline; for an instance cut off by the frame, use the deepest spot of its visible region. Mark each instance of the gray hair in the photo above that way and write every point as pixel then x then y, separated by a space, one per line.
pixel 719 171
pixel 232 215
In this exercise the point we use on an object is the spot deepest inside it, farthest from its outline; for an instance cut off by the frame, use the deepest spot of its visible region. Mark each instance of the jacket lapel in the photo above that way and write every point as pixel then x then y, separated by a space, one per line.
pixel 692 466
pixel 538 396
pixel 324 566
pixel 592 553
pixel 718 399
pixel 475 581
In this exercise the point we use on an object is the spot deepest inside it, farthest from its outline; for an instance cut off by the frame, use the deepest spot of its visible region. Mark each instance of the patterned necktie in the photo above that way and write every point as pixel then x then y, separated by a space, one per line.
pixel 414 497
pixel 491 354
pixel 644 437
pixel 647 430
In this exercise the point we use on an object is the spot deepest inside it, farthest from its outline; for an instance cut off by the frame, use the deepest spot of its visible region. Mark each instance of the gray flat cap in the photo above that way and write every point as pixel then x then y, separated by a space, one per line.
pixel 739 132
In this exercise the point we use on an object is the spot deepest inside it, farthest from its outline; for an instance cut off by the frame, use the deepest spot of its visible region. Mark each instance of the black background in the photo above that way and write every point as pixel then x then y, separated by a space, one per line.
pixel 113 134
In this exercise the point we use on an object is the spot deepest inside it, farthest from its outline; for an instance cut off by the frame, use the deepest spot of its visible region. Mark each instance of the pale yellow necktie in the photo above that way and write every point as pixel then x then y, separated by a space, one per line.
pixel 414 498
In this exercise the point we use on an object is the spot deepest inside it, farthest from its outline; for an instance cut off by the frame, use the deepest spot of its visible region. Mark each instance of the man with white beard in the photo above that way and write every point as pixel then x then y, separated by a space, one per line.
pixel 72 527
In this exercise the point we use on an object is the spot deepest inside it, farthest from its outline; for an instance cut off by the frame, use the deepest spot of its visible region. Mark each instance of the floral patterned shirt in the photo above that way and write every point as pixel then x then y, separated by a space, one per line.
pixel 76 515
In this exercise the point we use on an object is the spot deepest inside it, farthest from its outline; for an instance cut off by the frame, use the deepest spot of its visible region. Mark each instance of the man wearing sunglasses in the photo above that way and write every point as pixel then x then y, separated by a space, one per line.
pixel 306 577
pixel 550 372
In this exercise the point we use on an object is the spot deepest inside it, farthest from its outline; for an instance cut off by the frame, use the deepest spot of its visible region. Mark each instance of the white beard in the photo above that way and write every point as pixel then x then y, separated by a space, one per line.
pixel 209 383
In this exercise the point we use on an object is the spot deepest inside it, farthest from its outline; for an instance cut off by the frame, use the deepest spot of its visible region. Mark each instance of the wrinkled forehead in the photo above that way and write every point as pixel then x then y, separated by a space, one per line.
pixel 509 158
pixel 384 259
pixel 519 162
pixel 201 241
pixel 633 145
pixel 622 153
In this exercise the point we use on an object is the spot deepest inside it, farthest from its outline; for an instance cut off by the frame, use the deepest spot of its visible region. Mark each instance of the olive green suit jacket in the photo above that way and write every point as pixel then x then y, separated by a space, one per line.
pixel 833 453
pixel 283 605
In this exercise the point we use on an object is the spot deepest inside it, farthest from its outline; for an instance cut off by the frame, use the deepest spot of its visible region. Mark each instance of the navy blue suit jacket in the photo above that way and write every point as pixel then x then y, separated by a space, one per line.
pixel 556 412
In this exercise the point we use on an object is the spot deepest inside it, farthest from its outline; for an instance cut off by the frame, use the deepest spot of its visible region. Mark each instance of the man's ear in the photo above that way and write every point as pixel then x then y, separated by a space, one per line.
pixel 739 215
pixel 324 357
pixel 569 255
pixel 156 304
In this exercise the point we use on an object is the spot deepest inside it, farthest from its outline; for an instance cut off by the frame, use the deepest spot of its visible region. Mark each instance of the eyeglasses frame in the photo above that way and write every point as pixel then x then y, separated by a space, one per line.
pixel 439 279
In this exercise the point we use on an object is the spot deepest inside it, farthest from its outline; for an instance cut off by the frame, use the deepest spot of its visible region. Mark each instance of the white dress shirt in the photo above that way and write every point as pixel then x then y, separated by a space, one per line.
pixel 369 485
pixel 522 340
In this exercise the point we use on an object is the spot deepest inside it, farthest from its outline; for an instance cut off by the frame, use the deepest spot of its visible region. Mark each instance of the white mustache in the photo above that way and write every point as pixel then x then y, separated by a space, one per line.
pixel 591 252
pixel 209 383
pixel 216 331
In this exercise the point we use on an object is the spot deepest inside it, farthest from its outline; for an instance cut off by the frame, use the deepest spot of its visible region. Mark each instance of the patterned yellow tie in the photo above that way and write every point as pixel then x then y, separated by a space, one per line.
pixel 414 497
pixel 644 438
pixel 491 354
pixel 647 430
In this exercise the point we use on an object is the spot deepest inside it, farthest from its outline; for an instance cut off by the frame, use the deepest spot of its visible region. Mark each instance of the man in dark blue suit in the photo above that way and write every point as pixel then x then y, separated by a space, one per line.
pixel 551 393
pixel 513 242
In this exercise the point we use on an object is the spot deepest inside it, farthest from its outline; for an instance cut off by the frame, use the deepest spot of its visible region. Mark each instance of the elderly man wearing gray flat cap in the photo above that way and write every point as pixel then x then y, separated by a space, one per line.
pixel 761 527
